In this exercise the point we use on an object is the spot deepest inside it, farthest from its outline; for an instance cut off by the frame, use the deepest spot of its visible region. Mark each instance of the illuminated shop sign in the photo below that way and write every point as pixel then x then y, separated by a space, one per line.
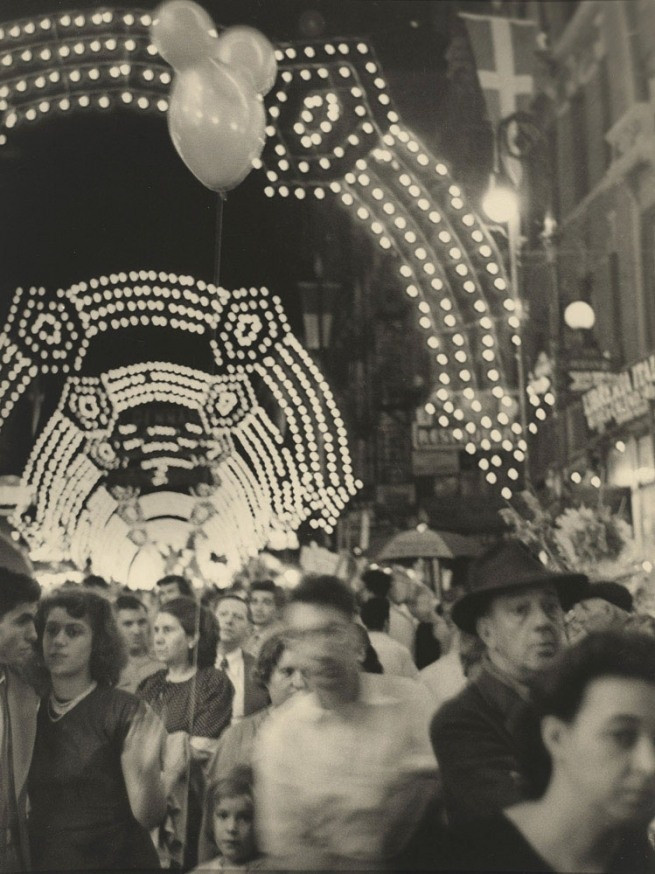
pixel 622 397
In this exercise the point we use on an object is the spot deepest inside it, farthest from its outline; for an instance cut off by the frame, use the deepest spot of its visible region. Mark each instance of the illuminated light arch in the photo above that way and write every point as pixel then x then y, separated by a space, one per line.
pixel 332 133
pixel 206 432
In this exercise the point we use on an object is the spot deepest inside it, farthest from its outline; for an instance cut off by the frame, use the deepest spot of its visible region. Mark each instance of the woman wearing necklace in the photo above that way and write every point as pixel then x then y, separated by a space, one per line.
pixel 95 784
pixel 195 703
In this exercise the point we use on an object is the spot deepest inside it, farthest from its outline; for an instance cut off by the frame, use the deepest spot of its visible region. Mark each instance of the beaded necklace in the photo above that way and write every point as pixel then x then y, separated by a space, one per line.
pixel 57 708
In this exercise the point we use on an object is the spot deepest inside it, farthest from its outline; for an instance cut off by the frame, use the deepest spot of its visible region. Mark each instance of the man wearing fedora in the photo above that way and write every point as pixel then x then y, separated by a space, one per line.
pixel 19 594
pixel 486 738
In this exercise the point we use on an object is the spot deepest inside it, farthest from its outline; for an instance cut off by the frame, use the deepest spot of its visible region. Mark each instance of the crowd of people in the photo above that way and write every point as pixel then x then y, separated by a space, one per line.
pixel 327 728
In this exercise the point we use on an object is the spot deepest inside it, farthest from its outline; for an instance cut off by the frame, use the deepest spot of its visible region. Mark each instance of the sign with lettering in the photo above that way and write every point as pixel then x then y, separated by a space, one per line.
pixel 622 397
pixel 583 380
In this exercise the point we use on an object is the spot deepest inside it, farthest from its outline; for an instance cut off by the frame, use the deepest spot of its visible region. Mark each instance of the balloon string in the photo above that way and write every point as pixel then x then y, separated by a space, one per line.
pixel 190 726
pixel 218 252
pixel 218 249
pixel 192 710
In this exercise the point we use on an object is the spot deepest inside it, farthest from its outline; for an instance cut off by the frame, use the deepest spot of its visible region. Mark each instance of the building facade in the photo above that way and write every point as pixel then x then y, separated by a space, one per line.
pixel 596 105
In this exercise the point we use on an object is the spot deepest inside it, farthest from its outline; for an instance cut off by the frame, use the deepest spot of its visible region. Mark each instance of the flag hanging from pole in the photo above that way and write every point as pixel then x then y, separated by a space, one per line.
pixel 504 50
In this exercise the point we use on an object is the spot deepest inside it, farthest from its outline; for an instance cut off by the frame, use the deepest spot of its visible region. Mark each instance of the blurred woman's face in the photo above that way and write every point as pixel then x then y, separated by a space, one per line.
pixel 171 642
pixel 67 644
pixel 286 679
pixel 607 754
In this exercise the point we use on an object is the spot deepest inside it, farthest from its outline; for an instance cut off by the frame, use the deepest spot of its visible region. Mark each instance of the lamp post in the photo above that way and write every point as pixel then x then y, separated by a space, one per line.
pixel 501 204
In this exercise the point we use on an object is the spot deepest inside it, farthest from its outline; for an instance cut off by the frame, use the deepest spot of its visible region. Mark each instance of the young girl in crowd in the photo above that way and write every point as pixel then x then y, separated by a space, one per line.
pixel 232 824
pixel 276 670
pixel 95 785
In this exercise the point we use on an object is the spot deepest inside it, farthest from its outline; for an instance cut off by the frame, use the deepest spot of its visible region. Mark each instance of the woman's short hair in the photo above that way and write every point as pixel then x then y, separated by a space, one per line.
pixel 108 655
pixel 629 655
pixel 196 619
pixel 268 659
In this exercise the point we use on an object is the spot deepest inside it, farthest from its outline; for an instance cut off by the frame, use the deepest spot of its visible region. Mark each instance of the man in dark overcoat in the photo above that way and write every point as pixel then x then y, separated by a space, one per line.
pixel 486 738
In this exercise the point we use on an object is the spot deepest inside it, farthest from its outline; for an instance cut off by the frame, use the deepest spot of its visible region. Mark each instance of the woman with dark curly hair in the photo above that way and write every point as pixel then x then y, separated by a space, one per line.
pixel 597 709
pixel 277 672
pixel 195 703
pixel 95 784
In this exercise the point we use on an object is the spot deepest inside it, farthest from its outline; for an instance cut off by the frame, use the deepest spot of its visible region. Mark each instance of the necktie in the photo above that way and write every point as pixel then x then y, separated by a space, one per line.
pixel 224 664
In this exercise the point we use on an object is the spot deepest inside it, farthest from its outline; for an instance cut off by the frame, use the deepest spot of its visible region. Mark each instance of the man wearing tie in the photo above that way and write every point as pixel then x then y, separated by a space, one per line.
pixel 234 625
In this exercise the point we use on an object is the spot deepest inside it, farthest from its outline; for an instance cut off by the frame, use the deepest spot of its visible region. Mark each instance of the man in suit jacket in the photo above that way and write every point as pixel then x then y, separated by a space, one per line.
pixel 486 738
pixel 19 594
pixel 234 625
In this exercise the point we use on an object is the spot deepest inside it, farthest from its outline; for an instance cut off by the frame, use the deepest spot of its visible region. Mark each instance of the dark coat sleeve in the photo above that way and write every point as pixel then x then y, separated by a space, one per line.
pixel 213 704
pixel 254 697
pixel 479 765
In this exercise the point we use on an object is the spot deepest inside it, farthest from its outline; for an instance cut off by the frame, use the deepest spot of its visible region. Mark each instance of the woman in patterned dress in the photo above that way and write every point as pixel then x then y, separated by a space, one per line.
pixel 194 701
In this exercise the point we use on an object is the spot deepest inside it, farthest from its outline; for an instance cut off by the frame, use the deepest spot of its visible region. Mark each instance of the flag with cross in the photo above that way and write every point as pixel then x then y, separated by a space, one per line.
pixel 504 51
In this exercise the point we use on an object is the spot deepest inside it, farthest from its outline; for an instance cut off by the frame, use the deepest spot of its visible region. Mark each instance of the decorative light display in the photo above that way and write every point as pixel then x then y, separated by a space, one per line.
pixel 333 134
pixel 195 449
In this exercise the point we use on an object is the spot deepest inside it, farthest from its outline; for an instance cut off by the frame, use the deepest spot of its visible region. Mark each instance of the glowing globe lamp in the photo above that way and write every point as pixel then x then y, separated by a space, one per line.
pixel 579 316
pixel 500 203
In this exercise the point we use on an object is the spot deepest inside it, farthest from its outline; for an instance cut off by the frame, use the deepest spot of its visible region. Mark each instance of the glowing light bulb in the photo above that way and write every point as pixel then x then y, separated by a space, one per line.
pixel 500 203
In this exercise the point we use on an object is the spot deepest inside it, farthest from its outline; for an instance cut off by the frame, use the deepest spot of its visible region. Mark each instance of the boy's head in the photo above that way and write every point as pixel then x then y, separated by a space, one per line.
pixel 234 833
pixel 321 629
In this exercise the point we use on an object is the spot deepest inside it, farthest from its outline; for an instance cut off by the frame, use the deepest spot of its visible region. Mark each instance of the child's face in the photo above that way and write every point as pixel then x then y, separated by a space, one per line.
pixel 233 831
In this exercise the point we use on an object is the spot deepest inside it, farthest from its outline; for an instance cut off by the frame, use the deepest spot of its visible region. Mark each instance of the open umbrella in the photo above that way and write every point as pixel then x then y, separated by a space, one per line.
pixel 426 543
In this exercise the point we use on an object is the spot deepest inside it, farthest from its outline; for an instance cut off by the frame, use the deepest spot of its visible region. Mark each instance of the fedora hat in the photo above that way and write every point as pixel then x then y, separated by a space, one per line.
pixel 507 567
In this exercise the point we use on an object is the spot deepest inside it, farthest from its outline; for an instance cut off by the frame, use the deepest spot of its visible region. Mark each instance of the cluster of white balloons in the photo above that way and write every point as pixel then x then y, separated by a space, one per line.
pixel 216 116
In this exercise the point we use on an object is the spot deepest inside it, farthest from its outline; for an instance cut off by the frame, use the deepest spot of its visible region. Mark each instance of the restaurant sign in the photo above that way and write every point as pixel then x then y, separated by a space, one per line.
pixel 621 397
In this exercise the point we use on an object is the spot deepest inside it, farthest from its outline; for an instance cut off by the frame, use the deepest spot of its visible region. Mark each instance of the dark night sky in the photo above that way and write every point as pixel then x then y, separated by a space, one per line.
pixel 97 193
